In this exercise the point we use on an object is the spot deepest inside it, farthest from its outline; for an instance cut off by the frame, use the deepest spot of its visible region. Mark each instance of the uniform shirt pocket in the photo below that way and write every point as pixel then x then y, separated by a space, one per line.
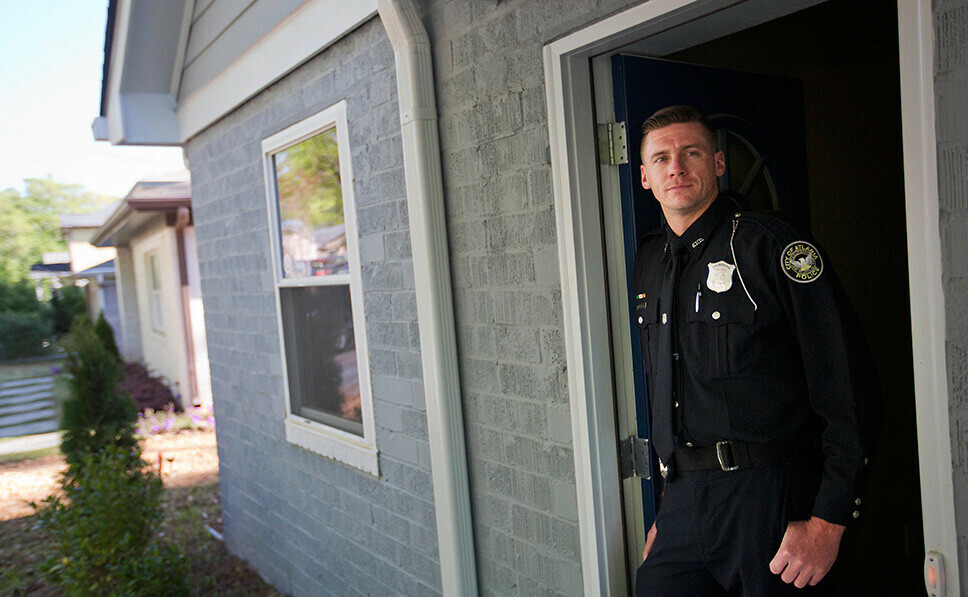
pixel 720 330
pixel 646 318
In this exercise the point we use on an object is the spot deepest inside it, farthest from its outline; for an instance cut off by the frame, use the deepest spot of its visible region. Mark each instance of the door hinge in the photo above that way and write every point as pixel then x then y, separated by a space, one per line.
pixel 634 454
pixel 613 147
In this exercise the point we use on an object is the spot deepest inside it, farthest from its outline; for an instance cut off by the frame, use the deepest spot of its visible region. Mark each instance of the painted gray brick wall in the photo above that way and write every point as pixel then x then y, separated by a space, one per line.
pixel 951 89
pixel 504 260
pixel 310 525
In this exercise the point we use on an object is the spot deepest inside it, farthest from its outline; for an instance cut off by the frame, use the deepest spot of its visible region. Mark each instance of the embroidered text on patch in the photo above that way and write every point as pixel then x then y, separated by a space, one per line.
pixel 801 262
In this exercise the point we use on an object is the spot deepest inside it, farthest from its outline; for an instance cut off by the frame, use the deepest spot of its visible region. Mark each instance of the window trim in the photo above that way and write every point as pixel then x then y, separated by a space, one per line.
pixel 156 303
pixel 356 451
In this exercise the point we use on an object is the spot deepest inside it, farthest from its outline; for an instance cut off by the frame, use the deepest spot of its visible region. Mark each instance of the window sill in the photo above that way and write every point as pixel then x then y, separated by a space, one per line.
pixel 332 443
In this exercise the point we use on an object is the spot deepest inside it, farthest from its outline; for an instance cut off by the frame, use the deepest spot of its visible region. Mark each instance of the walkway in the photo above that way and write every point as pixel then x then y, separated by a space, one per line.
pixel 27 409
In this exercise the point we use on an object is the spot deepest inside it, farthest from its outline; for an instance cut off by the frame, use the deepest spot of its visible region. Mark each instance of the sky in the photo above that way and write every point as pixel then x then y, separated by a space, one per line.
pixel 51 56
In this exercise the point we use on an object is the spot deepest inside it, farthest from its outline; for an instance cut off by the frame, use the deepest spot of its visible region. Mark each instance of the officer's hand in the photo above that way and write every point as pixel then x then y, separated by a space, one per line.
pixel 807 552
pixel 649 540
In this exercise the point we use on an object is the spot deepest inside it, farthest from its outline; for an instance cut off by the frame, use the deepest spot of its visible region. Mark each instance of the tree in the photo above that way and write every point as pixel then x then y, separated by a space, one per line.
pixel 30 225
pixel 97 414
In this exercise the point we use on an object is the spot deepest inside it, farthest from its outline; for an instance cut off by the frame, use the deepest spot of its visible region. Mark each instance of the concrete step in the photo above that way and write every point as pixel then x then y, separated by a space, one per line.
pixel 20 391
pixel 32 428
pixel 24 407
pixel 17 383
pixel 27 398
pixel 29 417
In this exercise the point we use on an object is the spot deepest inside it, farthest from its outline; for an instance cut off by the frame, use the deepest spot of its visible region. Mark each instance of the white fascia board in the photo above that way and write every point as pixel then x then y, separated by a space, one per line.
pixel 315 25
pixel 134 117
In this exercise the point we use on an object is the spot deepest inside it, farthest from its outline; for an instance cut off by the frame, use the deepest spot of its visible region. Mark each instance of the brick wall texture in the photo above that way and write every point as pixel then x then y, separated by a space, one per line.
pixel 951 89
pixel 313 526
pixel 310 525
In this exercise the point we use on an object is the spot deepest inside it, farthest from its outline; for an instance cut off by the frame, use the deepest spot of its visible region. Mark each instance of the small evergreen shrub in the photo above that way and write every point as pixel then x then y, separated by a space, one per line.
pixel 23 334
pixel 106 334
pixel 66 304
pixel 103 527
pixel 97 414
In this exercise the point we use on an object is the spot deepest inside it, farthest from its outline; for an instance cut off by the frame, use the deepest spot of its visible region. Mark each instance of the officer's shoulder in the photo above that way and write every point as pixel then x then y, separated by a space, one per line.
pixel 779 229
pixel 654 237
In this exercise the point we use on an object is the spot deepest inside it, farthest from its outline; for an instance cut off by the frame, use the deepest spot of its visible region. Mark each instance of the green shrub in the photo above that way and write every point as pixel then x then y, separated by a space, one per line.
pixel 23 334
pixel 66 304
pixel 161 572
pixel 106 334
pixel 96 414
pixel 103 526
pixel 18 296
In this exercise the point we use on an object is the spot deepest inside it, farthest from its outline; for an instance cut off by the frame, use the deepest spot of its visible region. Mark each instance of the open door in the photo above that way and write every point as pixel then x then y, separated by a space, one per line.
pixel 827 136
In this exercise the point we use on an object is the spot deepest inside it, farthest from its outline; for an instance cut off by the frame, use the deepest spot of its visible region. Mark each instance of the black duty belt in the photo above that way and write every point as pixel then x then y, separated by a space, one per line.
pixel 730 456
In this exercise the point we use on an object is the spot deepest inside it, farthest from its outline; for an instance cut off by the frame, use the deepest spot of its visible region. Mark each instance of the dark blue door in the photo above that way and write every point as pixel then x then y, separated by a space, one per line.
pixel 760 129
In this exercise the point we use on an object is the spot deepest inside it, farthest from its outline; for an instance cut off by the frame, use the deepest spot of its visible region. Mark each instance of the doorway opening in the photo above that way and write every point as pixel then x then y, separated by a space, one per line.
pixel 846 56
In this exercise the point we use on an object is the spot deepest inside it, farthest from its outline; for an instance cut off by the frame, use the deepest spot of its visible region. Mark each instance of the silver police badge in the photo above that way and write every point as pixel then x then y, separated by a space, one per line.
pixel 720 276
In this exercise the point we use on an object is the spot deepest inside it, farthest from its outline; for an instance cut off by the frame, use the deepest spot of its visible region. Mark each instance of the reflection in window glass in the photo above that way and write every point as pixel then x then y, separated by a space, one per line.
pixel 313 228
pixel 323 381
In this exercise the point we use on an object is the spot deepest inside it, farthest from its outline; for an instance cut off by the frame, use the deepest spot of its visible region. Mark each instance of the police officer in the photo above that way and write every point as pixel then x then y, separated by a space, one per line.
pixel 760 384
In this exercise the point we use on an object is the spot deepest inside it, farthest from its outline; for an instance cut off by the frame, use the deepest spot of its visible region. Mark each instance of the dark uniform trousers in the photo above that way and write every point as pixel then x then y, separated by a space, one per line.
pixel 754 342
pixel 717 533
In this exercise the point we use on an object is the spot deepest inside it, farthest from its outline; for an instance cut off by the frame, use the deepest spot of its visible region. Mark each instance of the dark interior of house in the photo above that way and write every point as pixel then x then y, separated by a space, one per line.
pixel 846 55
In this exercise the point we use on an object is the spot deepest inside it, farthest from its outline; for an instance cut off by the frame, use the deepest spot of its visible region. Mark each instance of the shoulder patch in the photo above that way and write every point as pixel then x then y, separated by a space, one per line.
pixel 801 262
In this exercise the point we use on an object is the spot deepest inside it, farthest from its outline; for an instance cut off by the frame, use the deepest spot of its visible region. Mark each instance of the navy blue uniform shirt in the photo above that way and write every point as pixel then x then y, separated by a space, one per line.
pixel 769 348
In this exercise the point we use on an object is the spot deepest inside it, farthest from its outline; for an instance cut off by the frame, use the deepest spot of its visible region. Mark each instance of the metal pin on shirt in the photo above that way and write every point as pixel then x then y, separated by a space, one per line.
pixel 698 296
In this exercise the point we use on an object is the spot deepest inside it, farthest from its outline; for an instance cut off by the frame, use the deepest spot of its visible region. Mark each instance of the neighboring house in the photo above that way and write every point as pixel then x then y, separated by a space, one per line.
pixel 93 266
pixel 413 241
pixel 160 305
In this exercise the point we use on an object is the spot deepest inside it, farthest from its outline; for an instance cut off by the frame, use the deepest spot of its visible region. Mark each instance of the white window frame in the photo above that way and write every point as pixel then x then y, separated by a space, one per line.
pixel 156 304
pixel 328 441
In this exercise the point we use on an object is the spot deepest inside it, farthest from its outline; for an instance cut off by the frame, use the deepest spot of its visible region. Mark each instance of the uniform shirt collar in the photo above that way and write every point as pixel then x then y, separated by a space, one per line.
pixel 695 237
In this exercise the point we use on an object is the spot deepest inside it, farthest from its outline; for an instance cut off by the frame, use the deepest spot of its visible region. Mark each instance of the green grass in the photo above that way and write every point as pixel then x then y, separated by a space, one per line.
pixel 20 456
pixel 12 371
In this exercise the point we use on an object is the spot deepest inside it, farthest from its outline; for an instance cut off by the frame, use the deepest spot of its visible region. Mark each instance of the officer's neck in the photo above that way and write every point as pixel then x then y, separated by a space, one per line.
pixel 680 221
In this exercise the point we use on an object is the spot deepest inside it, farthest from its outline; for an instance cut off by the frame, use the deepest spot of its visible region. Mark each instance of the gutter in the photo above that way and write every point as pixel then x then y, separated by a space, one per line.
pixel 182 220
pixel 435 302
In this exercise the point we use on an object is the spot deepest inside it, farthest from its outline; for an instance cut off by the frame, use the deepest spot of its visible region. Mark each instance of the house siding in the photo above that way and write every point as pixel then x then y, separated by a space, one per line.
pixel 310 525
pixel 222 30
pixel 490 83
pixel 951 89
pixel 163 349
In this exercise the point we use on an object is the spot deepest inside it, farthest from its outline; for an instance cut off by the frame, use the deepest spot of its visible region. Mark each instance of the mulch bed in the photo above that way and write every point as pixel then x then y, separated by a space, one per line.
pixel 189 469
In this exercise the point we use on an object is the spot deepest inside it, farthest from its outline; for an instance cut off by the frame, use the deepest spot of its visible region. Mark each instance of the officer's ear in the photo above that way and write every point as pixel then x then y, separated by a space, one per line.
pixel 645 181
pixel 720 163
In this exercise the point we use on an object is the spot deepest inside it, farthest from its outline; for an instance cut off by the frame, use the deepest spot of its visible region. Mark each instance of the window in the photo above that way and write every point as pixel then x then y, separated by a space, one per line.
pixel 154 292
pixel 319 293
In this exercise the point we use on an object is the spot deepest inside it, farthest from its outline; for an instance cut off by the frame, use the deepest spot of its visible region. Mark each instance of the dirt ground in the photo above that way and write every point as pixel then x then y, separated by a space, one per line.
pixel 186 458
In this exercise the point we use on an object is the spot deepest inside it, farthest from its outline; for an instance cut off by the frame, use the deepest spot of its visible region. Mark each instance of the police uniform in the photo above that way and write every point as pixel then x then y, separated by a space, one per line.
pixel 761 392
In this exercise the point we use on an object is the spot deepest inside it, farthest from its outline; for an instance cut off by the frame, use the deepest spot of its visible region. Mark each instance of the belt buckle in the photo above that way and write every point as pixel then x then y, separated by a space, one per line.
pixel 722 456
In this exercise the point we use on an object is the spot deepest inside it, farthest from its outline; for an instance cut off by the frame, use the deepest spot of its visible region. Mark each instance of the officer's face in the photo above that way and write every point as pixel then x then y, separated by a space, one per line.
pixel 680 165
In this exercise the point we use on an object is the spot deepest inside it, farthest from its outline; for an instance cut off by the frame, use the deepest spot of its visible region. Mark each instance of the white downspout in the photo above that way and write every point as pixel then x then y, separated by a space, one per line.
pixel 435 303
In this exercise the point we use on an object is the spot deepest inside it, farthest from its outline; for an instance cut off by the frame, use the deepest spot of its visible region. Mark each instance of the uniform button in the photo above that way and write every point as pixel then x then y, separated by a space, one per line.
pixel 867 461
pixel 641 320
pixel 716 315
pixel 665 317
pixel 857 501
pixel 737 214
pixel 675 404
pixel 688 444
pixel 856 514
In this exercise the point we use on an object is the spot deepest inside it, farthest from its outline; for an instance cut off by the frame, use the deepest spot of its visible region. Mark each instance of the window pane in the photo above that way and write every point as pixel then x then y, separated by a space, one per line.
pixel 312 227
pixel 321 355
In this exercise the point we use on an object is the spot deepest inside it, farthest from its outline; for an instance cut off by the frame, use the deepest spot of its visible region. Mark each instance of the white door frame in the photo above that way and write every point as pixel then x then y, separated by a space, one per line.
pixel 660 27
